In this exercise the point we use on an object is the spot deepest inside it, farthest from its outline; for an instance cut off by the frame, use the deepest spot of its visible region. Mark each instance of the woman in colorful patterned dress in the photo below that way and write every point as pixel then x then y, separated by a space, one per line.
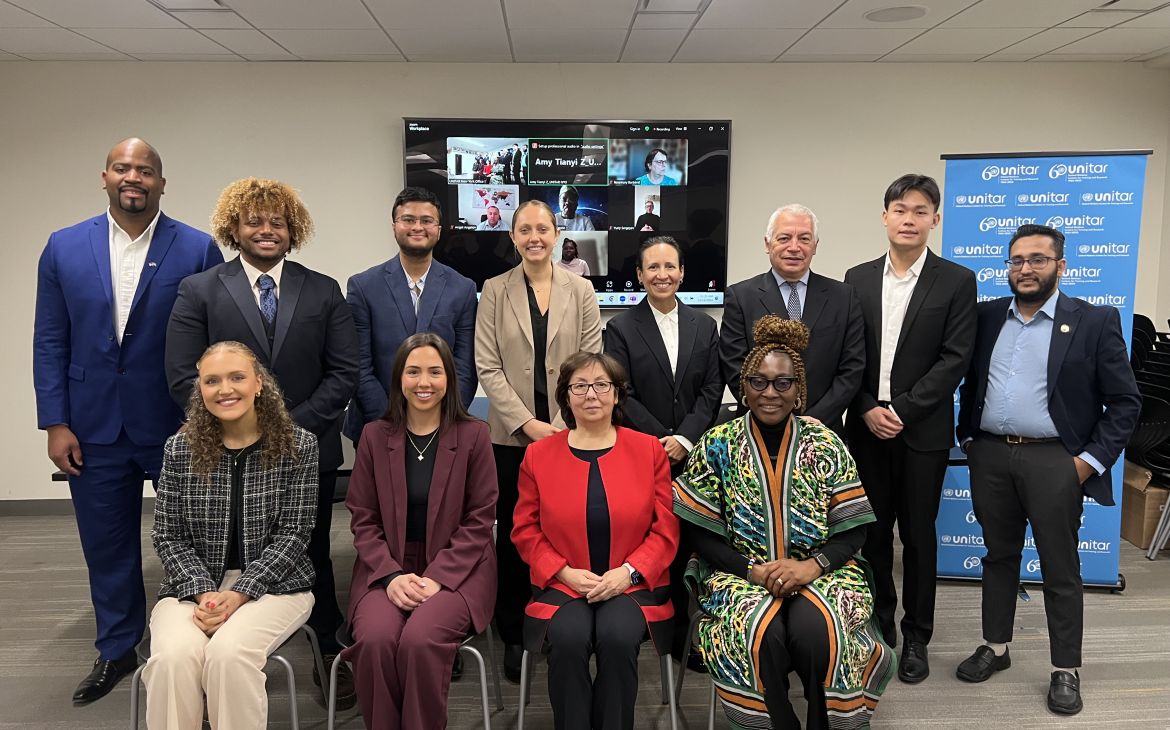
pixel 774 510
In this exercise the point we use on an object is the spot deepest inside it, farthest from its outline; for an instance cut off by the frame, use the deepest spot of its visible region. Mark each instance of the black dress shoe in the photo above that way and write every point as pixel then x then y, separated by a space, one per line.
pixel 982 664
pixel 346 696
pixel 104 676
pixel 513 654
pixel 914 667
pixel 457 668
pixel 1064 693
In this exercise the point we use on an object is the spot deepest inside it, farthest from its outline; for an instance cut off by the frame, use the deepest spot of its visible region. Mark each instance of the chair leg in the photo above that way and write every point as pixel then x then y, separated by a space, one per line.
pixel 331 701
pixel 318 659
pixel 524 689
pixel 711 709
pixel 667 684
pixel 134 696
pixel 491 645
pixel 692 626
pixel 294 719
pixel 483 688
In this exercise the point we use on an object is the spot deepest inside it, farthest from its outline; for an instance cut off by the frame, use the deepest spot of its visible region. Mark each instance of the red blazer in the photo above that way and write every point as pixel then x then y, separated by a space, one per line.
pixel 461 511
pixel 550 531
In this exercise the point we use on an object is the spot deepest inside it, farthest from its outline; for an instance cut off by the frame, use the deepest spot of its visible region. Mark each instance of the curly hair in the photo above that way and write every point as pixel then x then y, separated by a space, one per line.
pixel 250 195
pixel 773 333
pixel 205 431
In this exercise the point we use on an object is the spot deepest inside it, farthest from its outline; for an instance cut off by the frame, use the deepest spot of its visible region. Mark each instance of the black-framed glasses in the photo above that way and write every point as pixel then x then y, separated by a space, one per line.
pixel 601 387
pixel 781 384
pixel 1038 263
pixel 410 220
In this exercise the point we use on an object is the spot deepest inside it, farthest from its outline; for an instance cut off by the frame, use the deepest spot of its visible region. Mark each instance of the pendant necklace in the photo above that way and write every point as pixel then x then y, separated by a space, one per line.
pixel 422 451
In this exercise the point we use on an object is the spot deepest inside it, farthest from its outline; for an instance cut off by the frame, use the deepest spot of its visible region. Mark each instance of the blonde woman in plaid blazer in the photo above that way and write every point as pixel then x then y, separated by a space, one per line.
pixel 236 503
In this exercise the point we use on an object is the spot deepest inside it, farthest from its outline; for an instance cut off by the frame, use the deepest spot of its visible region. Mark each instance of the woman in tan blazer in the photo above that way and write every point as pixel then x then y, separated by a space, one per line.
pixel 530 319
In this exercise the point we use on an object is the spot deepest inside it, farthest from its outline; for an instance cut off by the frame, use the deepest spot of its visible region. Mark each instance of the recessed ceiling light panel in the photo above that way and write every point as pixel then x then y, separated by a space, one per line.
pixel 898 14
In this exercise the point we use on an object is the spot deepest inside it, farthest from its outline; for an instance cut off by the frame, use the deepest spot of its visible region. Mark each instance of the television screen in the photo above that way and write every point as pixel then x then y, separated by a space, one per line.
pixel 612 184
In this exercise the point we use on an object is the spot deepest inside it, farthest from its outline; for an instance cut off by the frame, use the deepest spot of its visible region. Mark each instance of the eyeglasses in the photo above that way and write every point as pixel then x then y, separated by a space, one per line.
pixel 601 387
pixel 1038 263
pixel 781 384
pixel 410 220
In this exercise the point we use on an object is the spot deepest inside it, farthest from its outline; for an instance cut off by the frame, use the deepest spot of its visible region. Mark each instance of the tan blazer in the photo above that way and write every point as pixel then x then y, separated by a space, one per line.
pixel 504 351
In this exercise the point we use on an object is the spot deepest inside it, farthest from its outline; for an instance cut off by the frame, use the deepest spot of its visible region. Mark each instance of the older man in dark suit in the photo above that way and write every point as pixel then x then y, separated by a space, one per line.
pixel 1047 407
pixel 835 357
pixel 919 328
pixel 297 323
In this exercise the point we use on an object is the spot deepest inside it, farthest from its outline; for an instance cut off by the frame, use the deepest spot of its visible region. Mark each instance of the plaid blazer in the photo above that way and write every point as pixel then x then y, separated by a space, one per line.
pixel 191 513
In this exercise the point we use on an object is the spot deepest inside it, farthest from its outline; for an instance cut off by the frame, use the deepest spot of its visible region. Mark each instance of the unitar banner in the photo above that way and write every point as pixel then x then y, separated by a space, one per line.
pixel 1095 199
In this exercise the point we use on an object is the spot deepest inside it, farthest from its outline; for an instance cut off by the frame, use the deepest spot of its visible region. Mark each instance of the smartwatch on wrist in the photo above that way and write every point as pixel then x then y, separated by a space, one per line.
pixel 822 561
pixel 635 576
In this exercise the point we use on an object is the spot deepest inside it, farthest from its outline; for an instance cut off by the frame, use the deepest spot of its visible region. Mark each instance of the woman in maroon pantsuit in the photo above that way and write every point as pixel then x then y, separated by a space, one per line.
pixel 423 500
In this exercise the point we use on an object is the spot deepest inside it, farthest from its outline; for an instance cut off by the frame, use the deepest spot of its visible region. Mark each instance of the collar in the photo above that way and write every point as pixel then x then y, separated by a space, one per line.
pixel 253 273
pixel 421 281
pixel 147 233
pixel 915 268
pixel 1049 307
pixel 781 280
pixel 672 315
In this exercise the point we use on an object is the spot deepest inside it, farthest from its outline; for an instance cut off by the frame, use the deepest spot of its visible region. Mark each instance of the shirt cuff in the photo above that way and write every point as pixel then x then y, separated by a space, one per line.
pixel 1092 461
pixel 686 442
pixel 891 407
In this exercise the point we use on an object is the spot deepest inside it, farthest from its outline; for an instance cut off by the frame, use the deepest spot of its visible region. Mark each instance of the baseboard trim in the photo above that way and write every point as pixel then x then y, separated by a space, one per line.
pixel 40 507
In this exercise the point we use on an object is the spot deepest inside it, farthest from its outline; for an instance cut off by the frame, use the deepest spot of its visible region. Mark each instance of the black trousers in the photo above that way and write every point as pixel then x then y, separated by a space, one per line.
pixel 326 615
pixel 903 487
pixel 796 641
pixel 514 587
pixel 613 630
pixel 1012 485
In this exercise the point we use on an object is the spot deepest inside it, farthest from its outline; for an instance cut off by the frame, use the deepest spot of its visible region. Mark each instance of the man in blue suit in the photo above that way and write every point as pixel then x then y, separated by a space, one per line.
pixel 105 288
pixel 1046 408
pixel 409 293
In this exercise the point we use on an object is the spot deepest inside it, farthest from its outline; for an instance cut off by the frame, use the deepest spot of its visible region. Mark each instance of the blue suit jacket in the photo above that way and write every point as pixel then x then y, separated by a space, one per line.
pixel 1093 398
pixel 383 313
pixel 83 377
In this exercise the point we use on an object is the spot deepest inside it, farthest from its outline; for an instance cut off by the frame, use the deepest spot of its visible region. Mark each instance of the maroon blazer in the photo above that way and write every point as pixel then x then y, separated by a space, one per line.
pixel 461 510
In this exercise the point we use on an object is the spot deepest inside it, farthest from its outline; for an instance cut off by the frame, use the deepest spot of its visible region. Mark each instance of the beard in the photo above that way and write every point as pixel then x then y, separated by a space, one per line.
pixel 132 205
pixel 1045 286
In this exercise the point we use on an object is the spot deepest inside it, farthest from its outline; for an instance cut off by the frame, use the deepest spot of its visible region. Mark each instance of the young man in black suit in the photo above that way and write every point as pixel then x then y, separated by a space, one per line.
pixel 919 327
pixel 835 357
pixel 1048 405
pixel 297 323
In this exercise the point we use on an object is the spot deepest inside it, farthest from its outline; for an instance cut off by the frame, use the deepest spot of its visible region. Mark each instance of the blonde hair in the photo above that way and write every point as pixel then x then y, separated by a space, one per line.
pixel 250 195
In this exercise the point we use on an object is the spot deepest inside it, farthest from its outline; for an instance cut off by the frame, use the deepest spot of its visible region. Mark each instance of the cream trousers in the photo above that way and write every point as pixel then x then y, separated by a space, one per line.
pixel 228 667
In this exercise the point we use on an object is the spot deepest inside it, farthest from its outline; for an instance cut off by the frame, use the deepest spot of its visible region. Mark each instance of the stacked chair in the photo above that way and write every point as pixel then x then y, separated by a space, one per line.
pixel 1149 445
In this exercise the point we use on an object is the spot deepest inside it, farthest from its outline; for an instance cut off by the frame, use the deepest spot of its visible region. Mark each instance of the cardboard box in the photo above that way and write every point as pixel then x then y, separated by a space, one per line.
pixel 1142 502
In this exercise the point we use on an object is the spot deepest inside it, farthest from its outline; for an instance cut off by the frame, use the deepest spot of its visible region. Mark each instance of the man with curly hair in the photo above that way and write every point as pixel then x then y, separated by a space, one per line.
pixel 105 288
pixel 298 324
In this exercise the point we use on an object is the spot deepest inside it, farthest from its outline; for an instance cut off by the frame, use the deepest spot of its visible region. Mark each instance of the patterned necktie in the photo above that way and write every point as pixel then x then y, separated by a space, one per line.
pixel 417 292
pixel 793 301
pixel 267 297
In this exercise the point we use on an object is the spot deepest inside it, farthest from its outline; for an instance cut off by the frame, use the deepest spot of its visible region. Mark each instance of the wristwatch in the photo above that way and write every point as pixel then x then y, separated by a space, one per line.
pixel 635 576
pixel 822 561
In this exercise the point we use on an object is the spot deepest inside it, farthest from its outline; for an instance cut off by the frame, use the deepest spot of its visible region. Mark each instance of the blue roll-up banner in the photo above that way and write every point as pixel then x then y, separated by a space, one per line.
pixel 1095 198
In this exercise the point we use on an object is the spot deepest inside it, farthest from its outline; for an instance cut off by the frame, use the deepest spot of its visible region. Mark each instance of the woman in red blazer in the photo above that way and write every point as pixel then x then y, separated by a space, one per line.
pixel 423 499
pixel 595 526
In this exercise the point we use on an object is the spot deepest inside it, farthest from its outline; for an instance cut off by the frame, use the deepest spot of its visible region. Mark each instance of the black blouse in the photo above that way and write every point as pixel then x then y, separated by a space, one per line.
pixel 236 505
pixel 418 482
pixel 539 346
pixel 596 511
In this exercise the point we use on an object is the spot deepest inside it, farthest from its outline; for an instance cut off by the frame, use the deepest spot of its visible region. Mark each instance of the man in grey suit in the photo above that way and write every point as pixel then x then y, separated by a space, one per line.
pixel 835 357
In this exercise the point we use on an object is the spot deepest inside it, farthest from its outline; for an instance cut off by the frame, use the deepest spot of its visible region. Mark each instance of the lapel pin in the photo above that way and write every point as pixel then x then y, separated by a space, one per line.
pixel 1064 328
pixel 152 264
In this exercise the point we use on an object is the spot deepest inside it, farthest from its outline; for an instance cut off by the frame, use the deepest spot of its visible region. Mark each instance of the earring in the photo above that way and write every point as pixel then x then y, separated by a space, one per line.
pixel 798 404
pixel 743 399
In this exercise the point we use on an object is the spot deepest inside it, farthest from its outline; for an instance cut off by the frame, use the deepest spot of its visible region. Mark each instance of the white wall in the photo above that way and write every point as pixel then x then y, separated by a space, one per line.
pixel 830 136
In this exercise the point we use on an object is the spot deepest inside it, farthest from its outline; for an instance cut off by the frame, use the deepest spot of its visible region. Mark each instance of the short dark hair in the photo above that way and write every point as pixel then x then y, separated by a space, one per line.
pixel 924 184
pixel 613 370
pixel 1033 229
pixel 654 241
pixel 416 195
pixel 451 409
pixel 650 157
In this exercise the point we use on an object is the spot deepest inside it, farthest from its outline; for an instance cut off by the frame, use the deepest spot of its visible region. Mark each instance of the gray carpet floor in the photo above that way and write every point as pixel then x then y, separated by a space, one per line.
pixel 46 635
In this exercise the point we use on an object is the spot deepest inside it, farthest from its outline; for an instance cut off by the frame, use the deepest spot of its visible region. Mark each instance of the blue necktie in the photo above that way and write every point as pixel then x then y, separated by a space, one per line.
pixel 267 297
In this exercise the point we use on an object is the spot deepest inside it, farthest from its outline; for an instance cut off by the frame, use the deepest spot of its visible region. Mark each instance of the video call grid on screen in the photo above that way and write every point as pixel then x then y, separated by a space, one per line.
pixel 612 184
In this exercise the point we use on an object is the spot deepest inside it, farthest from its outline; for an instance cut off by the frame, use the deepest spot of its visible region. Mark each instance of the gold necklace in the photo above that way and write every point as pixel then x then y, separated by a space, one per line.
pixel 422 451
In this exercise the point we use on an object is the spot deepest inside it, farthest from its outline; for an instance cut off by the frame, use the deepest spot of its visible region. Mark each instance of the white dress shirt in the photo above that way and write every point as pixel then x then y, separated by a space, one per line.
pixel 126 261
pixel 416 286
pixel 668 328
pixel 895 297
pixel 253 274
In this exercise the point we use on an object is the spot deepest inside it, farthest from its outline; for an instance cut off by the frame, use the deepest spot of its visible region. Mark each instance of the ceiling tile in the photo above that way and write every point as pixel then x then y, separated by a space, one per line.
pixel 1134 41
pixel 717 45
pixel 764 14
pixel 931 57
pixel 463 14
pixel 359 58
pixel 852 13
pixel 829 57
pixel 186 56
pixel 47 40
pixel 13 17
pixel 1087 57
pixel 303 14
pixel 1137 4
pixel 1157 19
pixel 1016 14
pixel 454 45
pixel 690 6
pixel 569 18
pixel 1043 42
pixel 835 41
pixel 53 56
pixel 103 14
pixel 157 40
pixel 332 42
pixel 208 19
pixel 979 41
pixel 664 21
pixel 652 45
pixel 246 42
pixel 582 46
pixel 9 57
pixel 1101 19
pixel 1008 57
